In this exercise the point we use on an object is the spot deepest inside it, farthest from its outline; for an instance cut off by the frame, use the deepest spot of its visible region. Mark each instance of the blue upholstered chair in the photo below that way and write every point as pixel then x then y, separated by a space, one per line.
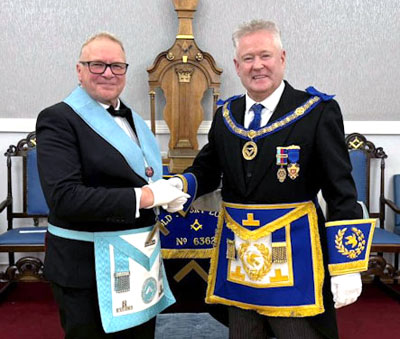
pixel 364 155
pixel 30 238
pixel 396 188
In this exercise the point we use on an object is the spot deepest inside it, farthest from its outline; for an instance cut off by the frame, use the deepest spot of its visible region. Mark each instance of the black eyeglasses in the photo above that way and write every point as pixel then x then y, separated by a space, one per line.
pixel 98 67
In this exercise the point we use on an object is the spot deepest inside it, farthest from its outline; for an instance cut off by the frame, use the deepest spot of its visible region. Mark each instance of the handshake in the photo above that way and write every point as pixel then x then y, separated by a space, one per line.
pixel 168 194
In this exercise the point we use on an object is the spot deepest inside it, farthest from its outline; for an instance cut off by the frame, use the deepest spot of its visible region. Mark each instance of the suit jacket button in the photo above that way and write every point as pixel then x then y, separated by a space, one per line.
pixel 249 175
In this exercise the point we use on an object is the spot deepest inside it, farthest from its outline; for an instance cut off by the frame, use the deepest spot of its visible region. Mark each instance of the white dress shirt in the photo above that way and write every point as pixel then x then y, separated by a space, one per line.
pixel 126 127
pixel 269 104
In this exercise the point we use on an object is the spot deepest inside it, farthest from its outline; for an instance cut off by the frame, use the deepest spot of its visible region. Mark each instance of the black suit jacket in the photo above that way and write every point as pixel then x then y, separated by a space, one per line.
pixel 324 165
pixel 88 186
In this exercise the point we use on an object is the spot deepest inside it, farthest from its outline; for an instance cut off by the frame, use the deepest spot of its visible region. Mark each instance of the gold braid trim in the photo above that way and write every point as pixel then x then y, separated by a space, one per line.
pixel 212 272
pixel 275 311
pixel 349 267
pixel 187 254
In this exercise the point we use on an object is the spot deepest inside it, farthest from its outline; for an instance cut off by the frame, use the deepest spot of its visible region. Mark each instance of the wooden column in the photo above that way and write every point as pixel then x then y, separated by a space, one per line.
pixel 184 73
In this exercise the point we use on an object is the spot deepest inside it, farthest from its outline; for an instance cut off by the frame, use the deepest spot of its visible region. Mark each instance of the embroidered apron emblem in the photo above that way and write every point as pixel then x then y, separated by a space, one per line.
pixel 352 245
pixel 256 260
pixel 149 290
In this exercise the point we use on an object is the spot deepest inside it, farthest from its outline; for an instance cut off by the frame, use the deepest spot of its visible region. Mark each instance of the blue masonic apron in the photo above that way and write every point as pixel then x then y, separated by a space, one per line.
pixel 131 281
pixel 268 258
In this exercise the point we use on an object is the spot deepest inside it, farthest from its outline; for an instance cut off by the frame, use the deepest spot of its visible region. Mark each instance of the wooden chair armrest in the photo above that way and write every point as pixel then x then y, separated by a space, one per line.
pixel 5 203
pixel 392 205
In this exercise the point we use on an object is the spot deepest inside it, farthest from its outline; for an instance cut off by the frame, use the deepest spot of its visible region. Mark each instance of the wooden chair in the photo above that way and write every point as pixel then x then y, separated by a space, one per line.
pixel 22 164
pixel 365 157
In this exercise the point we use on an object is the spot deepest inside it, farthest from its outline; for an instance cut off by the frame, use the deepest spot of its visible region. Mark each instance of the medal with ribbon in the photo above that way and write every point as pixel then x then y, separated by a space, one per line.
pixel 293 157
pixel 281 160
pixel 288 156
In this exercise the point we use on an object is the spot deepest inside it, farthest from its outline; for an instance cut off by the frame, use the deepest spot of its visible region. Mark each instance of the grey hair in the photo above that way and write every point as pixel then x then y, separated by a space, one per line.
pixel 255 26
pixel 102 35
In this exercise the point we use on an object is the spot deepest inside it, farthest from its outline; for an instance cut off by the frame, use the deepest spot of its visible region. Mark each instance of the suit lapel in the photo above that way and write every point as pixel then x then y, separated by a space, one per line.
pixel 105 126
pixel 289 101
pixel 232 144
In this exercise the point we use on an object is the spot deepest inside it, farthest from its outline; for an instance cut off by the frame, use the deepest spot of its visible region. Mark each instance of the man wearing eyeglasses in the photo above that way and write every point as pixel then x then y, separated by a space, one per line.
pixel 101 174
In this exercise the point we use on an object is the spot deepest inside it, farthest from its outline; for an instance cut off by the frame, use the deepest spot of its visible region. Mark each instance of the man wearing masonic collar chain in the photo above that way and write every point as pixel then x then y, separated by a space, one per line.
pixel 278 263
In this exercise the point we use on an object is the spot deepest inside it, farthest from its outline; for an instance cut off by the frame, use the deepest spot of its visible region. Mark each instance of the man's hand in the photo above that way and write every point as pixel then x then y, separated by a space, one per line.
pixel 164 194
pixel 346 289
pixel 176 182
pixel 177 204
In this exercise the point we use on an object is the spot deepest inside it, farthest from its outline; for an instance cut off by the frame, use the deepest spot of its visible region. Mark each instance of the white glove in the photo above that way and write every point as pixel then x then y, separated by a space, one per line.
pixel 346 288
pixel 177 204
pixel 176 182
pixel 164 193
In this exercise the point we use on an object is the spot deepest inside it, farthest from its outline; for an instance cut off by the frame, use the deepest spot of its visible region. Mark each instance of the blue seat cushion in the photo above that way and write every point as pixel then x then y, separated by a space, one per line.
pixel 396 184
pixel 24 236
pixel 382 236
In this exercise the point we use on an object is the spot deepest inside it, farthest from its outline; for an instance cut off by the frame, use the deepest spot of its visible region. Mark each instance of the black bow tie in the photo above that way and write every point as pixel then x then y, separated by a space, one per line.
pixel 123 112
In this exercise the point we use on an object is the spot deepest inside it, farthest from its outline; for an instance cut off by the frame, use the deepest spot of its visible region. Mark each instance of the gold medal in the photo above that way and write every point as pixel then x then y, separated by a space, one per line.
pixel 293 170
pixel 249 150
pixel 281 174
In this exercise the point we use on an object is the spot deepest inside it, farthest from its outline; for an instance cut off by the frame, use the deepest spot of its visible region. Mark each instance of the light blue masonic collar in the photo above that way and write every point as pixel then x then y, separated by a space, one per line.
pixel 105 126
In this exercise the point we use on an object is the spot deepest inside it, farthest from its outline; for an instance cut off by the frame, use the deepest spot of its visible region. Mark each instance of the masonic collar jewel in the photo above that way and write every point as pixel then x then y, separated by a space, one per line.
pixel 288 156
pixel 249 150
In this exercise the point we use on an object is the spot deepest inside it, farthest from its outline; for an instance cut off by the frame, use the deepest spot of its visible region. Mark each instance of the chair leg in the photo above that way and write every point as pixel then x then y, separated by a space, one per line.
pixel 6 289
pixel 392 292
pixel 11 258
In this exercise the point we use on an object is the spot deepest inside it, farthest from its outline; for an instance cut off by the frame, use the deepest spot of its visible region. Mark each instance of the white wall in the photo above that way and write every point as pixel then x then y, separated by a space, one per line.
pixel 349 48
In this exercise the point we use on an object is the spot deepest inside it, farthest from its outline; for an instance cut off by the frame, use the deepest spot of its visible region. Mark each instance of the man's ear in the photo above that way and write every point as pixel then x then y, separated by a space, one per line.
pixel 236 65
pixel 283 57
pixel 79 71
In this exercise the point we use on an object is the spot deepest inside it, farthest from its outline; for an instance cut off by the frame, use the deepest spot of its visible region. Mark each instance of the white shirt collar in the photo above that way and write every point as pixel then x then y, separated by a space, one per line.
pixel 270 102
pixel 107 106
